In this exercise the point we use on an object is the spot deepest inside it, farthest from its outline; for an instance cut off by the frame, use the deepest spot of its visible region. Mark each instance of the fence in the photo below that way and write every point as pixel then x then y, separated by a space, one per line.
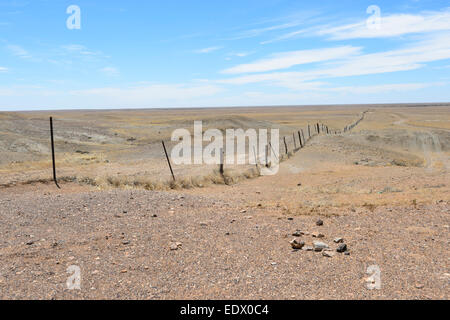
pixel 82 153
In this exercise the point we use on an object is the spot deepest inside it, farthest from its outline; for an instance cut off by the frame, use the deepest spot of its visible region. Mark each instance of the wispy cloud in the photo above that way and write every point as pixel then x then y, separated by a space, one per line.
pixel 18 51
pixel 110 71
pixel 80 49
pixel 408 58
pixel 284 60
pixel 3 69
pixel 208 50
pixel 393 25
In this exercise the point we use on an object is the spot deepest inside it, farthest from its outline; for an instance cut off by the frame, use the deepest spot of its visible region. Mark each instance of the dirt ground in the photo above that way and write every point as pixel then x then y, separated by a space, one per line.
pixel 383 188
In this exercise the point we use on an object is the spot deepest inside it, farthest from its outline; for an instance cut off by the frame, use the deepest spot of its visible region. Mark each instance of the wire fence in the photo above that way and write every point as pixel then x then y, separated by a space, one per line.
pixel 86 152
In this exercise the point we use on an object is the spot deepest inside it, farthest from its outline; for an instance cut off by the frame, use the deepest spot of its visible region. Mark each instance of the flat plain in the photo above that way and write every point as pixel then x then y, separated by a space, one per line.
pixel 135 234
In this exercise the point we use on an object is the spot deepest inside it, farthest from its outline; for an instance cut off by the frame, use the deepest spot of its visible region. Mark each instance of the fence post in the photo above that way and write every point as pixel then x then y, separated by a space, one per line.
pixel 267 156
pixel 300 139
pixel 295 142
pixel 309 132
pixel 53 153
pixel 168 160
pixel 221 170
pixel 285 145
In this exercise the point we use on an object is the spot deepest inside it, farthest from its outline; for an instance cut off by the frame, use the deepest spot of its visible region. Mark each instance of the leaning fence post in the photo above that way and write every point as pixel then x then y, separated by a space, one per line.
pixel 221 170
pixel 309 132
pixel 285 145
pixel 168 160
pixel 304 141
pixel 53 153
pixel 300 139
pixel 295 142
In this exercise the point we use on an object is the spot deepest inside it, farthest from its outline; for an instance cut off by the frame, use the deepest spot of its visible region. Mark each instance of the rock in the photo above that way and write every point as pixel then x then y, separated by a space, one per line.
pixel 155 216
pixel 319 222
pixel 347 253
pixel 308 248
pixel 204 224
pixel 338 240
pixel 290 219
pixel 419 286
pixel 125 242
pixel 319 246
pixel 297 244
pixel 327 253
pixel 175 246
pixel 29 243
pixel 124 271
pixel 317 235
pixel 297 233
pixel 342 248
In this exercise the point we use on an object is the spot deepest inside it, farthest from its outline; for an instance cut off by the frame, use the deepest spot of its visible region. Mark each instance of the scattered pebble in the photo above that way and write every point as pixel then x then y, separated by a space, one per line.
pixel 338 240
pixel 342 248
pixel 297 233
pixel 319 246
pixel 318 235
pixel 175 245
pixel 297 244
pixel 319 222
pixel 327 253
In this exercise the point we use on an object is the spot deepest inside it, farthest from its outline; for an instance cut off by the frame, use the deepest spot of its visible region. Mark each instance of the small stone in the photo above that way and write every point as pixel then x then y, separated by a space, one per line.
pixel 317 235
pixel 347 253
pixel 203 224
pixel 124 271
pixel 124 211
pixel 319 222
pixel 319 246
pixel 297 233
pixel 328 253
pixel 419 286
pixel 227 233
pixel 338 240
pixel 297 244
pixel 308 248
pixel 125 242
pixel 342 248
pixel 290 219
pixel 173 246
pixel 155 216
pixel 29 243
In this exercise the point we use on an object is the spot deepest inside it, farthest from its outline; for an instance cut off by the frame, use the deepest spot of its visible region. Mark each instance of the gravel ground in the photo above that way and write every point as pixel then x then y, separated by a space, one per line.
pixel 121 240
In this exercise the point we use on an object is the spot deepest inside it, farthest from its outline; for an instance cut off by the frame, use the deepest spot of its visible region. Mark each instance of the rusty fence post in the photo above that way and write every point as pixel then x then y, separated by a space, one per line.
pixel 53 153
pixel 168 160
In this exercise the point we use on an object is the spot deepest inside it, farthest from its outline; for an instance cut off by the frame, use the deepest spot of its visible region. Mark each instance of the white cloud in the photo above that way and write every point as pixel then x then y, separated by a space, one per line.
pixel 110 71
pixel 18 51
pixel 286 60
pixel 408 58
pixel 393 25
pixel 207 50
pixel 3 69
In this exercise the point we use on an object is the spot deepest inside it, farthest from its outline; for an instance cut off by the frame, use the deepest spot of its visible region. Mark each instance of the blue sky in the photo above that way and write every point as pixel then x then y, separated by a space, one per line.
pixel 145 54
